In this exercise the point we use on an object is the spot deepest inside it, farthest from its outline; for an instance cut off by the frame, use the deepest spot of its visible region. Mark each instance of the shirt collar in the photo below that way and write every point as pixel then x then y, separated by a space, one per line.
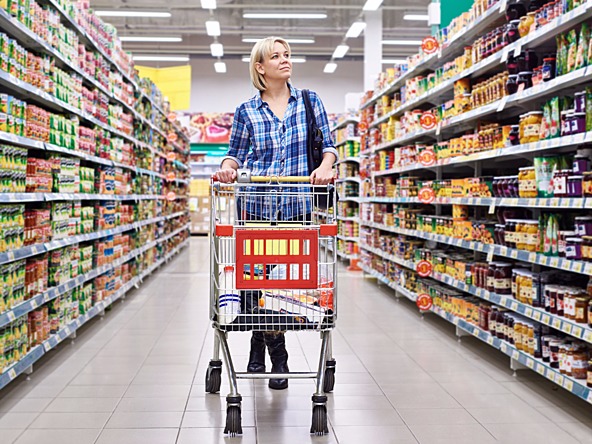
pixel 294 94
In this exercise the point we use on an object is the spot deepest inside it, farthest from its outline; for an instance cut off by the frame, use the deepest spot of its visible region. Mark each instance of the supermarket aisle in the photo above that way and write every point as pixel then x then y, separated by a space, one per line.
pixel 137 377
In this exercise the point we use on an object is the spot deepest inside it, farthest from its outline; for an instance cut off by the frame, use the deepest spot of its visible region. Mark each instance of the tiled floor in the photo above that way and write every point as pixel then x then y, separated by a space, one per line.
pixel 137 376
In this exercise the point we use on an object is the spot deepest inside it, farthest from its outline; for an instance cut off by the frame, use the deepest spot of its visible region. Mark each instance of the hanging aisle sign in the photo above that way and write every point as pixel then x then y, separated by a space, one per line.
pixel 427 157
pixel 424 302
pixel 172 137
pixel 430 45
pixel 171 156
pixel 170 176
pixel 428 120
pixel 426 195
pixel 424 268
pixel 171 196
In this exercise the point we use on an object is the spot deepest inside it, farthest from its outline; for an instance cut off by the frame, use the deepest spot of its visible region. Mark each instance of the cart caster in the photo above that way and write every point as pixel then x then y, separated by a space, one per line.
pixel 319 420
pixel 233 416
pixel 214 377
pixel 329 384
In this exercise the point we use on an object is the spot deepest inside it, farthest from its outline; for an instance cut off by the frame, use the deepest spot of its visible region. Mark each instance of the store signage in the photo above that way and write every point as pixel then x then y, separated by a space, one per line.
pixel 172 137
pixel 424 268
pixel 430 45
pixel 427 195
pixel 171 157
pixel 172 117
pixel 171 196
pixel 427 157
pixel 170 176
pixel 424 302
pixel 428 121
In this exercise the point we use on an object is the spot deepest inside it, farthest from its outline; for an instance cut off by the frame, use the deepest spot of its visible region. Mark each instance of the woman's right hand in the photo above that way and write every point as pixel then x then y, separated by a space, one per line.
pixel 226 175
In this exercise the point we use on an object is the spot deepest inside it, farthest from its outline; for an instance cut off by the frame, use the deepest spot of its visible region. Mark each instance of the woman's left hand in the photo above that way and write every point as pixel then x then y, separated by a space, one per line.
pixel 323 175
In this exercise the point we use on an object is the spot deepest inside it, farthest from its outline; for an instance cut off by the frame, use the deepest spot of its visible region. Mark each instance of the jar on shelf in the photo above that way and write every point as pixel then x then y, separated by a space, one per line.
pixel 581 316
pixel 580 365
pixel 590 314
pixel 589 375
pixel 573 248
pixel 503 278
pixel 581 164
pixel 587 248
pixel 512 33
pixel 524 80
pixel 587 183
pixel 580 102
pixel 574 186
pixel 548 68
pixel 514 138
pixel 560 182
pixel 578 122
pixel 562 241
pixel 583 225
pixel 512 84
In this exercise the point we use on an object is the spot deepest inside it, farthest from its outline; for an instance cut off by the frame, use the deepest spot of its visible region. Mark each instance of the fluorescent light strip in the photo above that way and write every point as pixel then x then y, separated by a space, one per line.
pixel 208 4
pixel 394 61
pixel 132 38
pixel 355 30
pixel 330 68
pixel 217 49
pixel 284 15
pixel 124 13
pixel 220 67
pixel 213 28
pixel 295 41
pixel 161 58
pixel 340 51
pixel 402 42
pixel 372 5
pixel 418 17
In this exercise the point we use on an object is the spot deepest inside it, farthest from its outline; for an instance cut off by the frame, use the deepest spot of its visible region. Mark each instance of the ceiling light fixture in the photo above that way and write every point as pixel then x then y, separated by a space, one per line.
pixel 139 58
pixel 296 41
pixel 393 61
pixel 213 28
pixel 340 51
pixel 330 68
pixel 355 30
pixel 208 4
pixel 247 59
pixel 134 38
pixel 372 5
pixel 417 17
pixel 402 42
pixel 284 15
pixel 217 49
pixel 124 13
pixel 220 67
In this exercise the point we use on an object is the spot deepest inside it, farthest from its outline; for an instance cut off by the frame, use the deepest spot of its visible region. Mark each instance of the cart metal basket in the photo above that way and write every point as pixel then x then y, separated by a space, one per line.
pixel 273 268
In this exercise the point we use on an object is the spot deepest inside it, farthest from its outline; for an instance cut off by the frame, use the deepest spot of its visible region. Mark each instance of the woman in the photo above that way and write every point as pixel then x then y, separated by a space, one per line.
pixel 269 138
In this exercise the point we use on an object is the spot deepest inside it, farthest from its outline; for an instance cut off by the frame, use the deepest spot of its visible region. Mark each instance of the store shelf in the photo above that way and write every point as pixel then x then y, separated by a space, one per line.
pixel 37 352
pixel 345 122
pixel 50 197
pixel 349 179
pixel 350 199
pixel 493 202
pixel 579 331
pixel 347 238
pixel 349 139
pixel 347 256
pixel 349 218
pixel 173 234
pixel 576 387
pixel 349 159
pixel 491 250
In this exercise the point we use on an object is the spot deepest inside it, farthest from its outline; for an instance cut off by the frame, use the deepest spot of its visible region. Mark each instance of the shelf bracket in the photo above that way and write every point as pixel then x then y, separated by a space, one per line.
pixel 29 370
pixel 516 366
pixel 460 333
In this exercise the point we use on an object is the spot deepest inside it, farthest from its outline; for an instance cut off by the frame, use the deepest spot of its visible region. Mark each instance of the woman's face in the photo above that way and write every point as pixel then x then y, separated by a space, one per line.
pixel 277 65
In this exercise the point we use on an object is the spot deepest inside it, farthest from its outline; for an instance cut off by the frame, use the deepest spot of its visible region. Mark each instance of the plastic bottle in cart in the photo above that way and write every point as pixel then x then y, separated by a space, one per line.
pixel 229 303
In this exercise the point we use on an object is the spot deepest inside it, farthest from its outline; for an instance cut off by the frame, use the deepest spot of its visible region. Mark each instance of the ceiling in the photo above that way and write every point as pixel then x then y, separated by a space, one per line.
pixel 188 21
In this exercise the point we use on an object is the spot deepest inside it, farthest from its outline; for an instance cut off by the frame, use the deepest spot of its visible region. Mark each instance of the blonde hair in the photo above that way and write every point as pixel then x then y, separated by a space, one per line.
pixel 262 49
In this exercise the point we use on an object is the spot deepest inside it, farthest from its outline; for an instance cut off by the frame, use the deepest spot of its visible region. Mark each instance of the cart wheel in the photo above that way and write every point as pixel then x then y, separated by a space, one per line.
pixel 214 377
pixel 319 420
pixel 233 421
pixel 329 379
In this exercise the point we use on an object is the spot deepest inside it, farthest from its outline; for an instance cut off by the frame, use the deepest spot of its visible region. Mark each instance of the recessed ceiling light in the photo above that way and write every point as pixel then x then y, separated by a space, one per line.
pixel 402 42
pixel 355 30
pixel 220 67
pixel 213 28
pixel 217 49
pixel 133 38
pixel 161 58
pixel 340 51
pixel 418 17
pixel 393 61
pixel 330 68
pixel 247 59
pixel 372 5
pixel 124 13
pixel 208 4
pixel 284 15
pixel 295 41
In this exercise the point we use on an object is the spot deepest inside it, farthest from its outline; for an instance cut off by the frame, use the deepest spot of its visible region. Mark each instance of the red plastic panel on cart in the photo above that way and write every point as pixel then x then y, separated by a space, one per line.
pixel 292 253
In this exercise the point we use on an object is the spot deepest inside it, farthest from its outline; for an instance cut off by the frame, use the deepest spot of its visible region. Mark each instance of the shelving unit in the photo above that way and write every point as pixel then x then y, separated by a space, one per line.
pixel 142 169
pixel 390 168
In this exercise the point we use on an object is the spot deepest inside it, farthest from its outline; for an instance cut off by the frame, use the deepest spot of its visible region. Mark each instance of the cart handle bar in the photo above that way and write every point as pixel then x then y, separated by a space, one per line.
pixel 244 176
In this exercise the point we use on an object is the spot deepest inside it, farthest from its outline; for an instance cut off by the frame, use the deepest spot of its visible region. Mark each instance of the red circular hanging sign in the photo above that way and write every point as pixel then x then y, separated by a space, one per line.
pixel 430 45
pixel 172 117
pixel 426 195
pixel 170 176
pixel 427 157
pixel 424 302
pixel 428 120
pixel 424 268
pixel 172 137
pixel 171 196
pixel 171 156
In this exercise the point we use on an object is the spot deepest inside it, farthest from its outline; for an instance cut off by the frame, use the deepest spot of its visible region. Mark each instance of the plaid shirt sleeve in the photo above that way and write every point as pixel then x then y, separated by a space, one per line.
pixel 323 124
pixel 239 139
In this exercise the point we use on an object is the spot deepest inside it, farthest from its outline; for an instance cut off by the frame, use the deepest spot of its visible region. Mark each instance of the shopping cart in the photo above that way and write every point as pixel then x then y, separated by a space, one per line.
pixel 273 259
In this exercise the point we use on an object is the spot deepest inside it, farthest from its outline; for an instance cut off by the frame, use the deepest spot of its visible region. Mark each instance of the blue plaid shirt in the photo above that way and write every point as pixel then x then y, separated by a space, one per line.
pixel 268 146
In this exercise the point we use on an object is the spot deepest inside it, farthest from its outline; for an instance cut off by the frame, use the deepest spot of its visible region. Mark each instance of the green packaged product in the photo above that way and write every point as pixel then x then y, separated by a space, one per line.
pixel 582 53
pixel 545 130
pixel 561 55
pixel 572 50
pixel 544 168
pixel 555 129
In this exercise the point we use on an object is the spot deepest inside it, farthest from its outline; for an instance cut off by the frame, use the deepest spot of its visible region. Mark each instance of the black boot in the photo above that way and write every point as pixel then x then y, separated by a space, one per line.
pixel 257 354
pixel 276 344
